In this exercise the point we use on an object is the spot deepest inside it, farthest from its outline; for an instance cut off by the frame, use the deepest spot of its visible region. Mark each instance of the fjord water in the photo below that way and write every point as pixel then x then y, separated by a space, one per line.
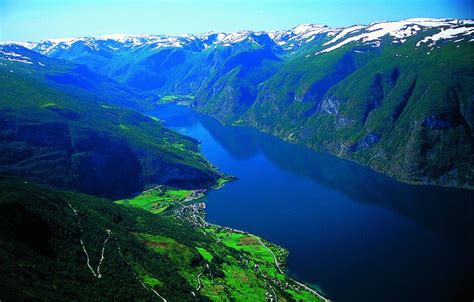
pixel 354 233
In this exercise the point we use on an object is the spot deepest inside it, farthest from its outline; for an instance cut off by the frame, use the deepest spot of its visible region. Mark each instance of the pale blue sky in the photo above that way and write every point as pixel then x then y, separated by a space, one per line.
pixel 32 20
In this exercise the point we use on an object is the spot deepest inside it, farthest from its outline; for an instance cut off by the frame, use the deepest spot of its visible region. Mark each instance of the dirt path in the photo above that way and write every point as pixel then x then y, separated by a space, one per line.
pixel 96 273
pixel 102 254
pixel 199 281
pixel 88 262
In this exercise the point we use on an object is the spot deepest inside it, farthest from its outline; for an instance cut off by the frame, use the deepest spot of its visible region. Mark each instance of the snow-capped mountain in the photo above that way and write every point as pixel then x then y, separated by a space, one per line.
pixel 14 57
pixel 20 54
pixel 349 91
pixel 287 40
pixel 167 63
pixel 301 34
pixel 400 31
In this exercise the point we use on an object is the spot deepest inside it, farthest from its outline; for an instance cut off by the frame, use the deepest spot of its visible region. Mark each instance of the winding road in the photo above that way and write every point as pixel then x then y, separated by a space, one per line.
pixel 281 271
pixel 199 281
pixel 96 273
pixel 268 249
pixel 103 251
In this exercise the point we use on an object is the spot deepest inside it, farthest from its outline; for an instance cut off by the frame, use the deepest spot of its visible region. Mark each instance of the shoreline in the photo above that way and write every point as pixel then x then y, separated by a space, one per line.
pixel 193 200
pixel 199 194
pixel 302 284
pixel 338 155
pixel 198 220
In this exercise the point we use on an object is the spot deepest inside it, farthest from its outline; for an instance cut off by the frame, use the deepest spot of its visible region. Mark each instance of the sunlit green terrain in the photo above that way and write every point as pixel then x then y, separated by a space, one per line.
pixel 132 252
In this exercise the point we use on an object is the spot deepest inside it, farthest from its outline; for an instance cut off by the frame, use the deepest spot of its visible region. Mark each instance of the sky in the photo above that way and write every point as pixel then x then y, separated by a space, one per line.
pixel 34 20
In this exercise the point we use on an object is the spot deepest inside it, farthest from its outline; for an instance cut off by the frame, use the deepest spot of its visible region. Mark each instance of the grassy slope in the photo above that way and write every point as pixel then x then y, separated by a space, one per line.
pixel 231 89
pixel 236 267
pixel 402 112
pixel 81 142
pixel 156 200
pixel 422 115
pixel 395 108
pixel 43 258
pixel 161 198
pixel 293 96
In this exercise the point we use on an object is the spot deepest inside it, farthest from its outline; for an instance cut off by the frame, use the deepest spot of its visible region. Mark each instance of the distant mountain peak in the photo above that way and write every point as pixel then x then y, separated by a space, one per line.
pixel 288 40
pixel 400 31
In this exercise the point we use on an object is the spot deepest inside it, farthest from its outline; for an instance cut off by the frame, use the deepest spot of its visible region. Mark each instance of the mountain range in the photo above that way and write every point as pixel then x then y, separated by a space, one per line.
pixel 396 96
pixel 66 126
pixel 74 118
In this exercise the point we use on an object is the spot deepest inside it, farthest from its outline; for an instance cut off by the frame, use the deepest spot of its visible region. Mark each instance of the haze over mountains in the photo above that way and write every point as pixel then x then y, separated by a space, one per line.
pixel 286 39
pixel 76 114
pixel 396 96
pixel 66 126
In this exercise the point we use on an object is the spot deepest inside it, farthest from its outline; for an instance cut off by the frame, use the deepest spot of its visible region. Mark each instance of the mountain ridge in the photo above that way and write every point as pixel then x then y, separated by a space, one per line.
pixel 300 34
pixel 65 126
pixel 396 96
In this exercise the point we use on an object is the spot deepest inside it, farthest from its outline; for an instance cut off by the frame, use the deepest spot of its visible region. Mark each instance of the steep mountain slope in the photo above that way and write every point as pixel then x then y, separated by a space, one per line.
pixel 154 63
pixel 405 111
pixel 396 96
pixel 52 245
pixel 57 246
pixel 180 64
pixel 59 133
pixel 75 79
pixel 230 90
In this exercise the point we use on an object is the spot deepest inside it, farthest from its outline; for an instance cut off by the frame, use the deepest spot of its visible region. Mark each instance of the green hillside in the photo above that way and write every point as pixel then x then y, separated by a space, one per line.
pixel 396 96
pixel 401 111
pixel 80 141
pixel 58 245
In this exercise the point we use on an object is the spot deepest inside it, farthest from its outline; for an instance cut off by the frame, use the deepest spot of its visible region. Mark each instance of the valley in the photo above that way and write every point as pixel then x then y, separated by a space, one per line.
pixel 314 163
pixel 320 207
pixel 394 96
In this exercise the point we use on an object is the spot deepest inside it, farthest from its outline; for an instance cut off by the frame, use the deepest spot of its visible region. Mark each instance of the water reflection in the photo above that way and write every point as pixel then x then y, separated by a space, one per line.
pixel 403 265
pixel 446 211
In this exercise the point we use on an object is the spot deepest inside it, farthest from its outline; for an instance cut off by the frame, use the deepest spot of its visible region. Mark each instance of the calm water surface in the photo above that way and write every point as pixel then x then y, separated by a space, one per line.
pixel 354 233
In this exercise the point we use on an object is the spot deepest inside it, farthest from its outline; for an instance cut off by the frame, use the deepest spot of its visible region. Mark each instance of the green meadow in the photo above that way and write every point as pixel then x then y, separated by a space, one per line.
pixel 157 200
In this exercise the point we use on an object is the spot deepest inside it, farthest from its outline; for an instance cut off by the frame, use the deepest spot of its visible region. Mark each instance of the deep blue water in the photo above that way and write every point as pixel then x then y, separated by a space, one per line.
pixel 354 233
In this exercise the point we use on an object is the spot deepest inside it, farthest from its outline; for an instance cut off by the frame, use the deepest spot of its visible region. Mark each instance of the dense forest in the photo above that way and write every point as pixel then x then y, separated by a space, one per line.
pixel 57 246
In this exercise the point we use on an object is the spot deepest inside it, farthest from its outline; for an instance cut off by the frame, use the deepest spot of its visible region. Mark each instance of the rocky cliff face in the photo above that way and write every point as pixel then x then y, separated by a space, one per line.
pixel 397 96
pixel 66 135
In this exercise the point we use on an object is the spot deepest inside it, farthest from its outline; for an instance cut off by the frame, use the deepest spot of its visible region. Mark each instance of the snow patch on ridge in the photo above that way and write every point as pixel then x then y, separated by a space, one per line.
pixel 300 34
pixel 449 33
pixel 14 57
pixel 287 40
pixel 343 33
pixel 399 30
